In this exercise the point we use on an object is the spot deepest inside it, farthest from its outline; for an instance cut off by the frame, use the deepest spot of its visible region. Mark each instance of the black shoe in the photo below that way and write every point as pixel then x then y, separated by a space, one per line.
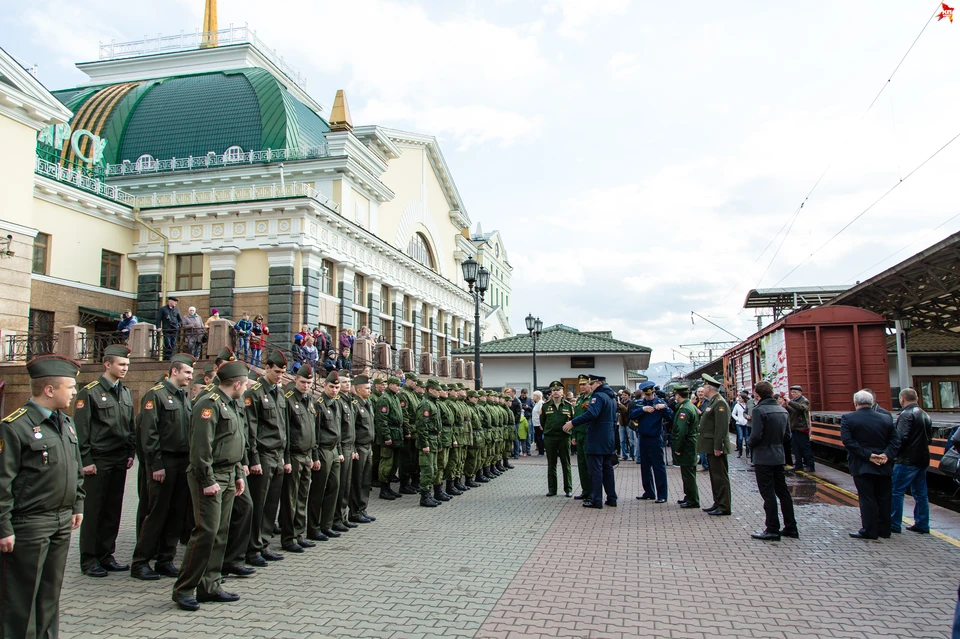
pixel 385 494
pixel 330 533
pixel 358 519
pixel 590 504
pixel 239 571
pixel 439 495
pixel 859 535
pixel 739 455
pixel 793 534
pixel 395 494
pixel 144 573
pixel 306 543
pixel 452 490
pixel 276 529
pixel 716 512
pixel 550 495
pixel 508 465
pixel 257 560
pixel 187 603
pixel 166 569
pixel 470 483
pixel 349 524
pixel 810 469
pixel 569 493
pixel 610 503
pixel 682 501
pixel 293 547
pixel 688 504
pixel 95 571
pixel 340 528
pixel 269 555
pixel 318 536
pixel 651 497
pixel 368 516
pixel 459 485
pixel 111 565
pixel 796 468
pixel 427 501
pixel 914 528
pixel 480 479
pixel 375 483
pixel 580 496
pixel 706 510
pixel 660 501
pixel 221 596
pixel 766 536
pixel 407 489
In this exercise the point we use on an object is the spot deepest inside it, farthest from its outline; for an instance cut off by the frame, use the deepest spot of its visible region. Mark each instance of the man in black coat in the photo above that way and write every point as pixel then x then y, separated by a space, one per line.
pixel 170 322
pixel 910 470
pixel 872 444
pixel 770 425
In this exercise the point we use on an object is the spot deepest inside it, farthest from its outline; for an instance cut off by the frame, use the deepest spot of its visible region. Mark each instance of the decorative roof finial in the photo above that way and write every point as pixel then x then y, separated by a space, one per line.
pixel 209 32
pixel 340 119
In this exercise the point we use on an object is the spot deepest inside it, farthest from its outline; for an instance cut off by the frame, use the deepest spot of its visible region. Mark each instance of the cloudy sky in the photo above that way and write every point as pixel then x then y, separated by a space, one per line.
pixel 639 157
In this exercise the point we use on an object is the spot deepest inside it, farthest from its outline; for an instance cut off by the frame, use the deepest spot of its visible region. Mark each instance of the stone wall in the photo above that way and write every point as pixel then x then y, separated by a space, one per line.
pixel 64 301
pixel 15 281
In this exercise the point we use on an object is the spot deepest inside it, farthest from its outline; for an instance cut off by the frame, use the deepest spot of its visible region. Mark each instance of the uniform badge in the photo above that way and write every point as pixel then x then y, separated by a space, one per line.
pixel 707 410
pixel 80 403
pixel 426 413
pixel 169 400
pixel 383 409
pixel 247 401
pixel 103 398
pixel 266 401
pixel 403 404
pixel 38 435
pixel 593 401
pixel 148 406
pixel 296 406
pixel 73 432
pixel 206 413
pixel 683 415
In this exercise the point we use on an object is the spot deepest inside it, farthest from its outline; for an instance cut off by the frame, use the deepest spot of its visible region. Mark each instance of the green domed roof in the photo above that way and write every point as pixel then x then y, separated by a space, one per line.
pixel 183 116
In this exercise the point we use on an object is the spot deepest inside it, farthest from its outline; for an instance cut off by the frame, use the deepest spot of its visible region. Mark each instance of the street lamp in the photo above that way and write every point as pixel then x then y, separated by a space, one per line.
pixel 478 278
pixel 535 328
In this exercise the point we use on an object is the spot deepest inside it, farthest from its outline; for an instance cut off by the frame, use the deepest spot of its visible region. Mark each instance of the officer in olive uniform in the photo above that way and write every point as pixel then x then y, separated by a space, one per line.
pixel 41 499
pixel 388 423
pixel 265 408
pixel 165 441
pixel 428 426
pixel 302 456
pixel 348 443
pixel 379 387
pixel 686 420
pixel 325 483
pixel 409 455
pixel 362 446
pixel 553 415
pixel 215 476
pixel 241 518
pixel 580 437
pixel 714 442
pixel 103 413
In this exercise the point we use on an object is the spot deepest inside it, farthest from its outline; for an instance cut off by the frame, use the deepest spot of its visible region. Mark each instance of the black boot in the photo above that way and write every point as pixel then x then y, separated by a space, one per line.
pixel 453 490
pixel 439 495
pixel 375 483
pixel 470 483
pixel 395 494
pixel 386 494
pixel 427 501
pixel 494 471
pixel 459 485
pixel 507 464
pixel 406 488
pixel 481 478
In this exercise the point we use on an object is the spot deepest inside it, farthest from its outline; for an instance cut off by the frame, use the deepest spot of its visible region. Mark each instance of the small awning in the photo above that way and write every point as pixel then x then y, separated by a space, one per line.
pixel 90 315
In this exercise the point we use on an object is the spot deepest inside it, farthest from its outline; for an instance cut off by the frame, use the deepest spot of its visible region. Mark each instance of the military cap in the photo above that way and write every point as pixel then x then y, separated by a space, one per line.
pixel 582 379
pixel 226 355
pixel 183 358
pixel 333 378
pixel 647 386
pixel 253 375
pixel 434 383
pixel 460 386
pixel 707 379
pixel 361 379
pixel 556 384
pixel 209 367
pixel 797 387
pixel 383 380
pixel 116 350
pixel 276 358
pixel 162 379
pixel 681 387
pixel 229 370
pixel 344 375
pixel 393 380
pixel 472 393
pixel 198 379
pixel 412 377
pixel 305 371
pixel 596 378
pixel 52 366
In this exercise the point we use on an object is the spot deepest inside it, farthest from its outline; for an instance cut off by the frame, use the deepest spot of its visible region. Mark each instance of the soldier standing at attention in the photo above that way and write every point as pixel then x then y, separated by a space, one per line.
pixel 165 439
pixel 580 437
pixel 389 428
pixel 428 426
pixel 241 519
pixel 265 409
pixel 379 386
pixel 713 442
pixel 215 475
pixel 103 413
pixel 471 468
pixel 302 456
pixel 464 437
pixel 553 415
pixel 363 463
pixel 41 500
pixel 325 483
pixel 686 419
pixel 445 444
pixel 409 400
pixel 348 443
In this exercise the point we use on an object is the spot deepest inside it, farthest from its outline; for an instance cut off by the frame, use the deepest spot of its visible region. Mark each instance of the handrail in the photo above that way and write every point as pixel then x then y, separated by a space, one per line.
pixel 214 161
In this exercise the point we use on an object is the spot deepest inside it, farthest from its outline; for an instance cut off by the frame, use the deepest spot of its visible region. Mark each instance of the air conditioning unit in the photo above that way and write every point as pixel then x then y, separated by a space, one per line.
pixel 458 368
pixel 426 364
pixel 443 367
pixel 406 360
pixel 382 357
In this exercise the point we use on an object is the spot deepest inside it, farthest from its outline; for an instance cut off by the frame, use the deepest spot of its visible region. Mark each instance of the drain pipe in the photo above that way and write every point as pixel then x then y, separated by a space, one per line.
pixel 163 276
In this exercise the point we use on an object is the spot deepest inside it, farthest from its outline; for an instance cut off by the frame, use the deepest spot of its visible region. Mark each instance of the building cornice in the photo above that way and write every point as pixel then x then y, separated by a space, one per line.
pixel 28 101
pixel 82 286
pixel 65 195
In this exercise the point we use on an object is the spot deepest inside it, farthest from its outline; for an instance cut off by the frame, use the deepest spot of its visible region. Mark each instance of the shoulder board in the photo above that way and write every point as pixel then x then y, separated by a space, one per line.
pixel 157 387
pixel 17 414
pixel 209 387
pixel 256 386
pixel 91 385
pixel 289 393
pixel 214 396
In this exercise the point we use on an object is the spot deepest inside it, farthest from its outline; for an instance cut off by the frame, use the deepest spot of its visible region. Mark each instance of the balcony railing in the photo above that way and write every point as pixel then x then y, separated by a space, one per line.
pixel 217 195
pixel 23 348
pixel 213 161
pixel 198 40
pixel 91 345
pixel 78 179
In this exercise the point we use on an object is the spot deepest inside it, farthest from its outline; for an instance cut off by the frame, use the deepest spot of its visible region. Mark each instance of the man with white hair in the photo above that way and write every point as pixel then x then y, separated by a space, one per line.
pixel 872 443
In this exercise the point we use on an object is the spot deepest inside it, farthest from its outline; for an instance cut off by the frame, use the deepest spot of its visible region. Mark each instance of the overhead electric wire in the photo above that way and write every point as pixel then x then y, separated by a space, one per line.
pixel 903 248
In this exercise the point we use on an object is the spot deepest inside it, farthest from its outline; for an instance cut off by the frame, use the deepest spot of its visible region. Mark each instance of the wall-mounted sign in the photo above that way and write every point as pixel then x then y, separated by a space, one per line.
pixel 56 135
pixel 582 362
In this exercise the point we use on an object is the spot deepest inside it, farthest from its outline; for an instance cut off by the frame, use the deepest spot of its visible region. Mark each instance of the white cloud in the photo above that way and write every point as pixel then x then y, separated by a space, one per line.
pixel 624 65
pixel 577 15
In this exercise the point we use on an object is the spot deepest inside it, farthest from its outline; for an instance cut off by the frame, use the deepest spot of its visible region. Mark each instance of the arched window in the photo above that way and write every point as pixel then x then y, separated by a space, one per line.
pixel 233 154
pixel 419 250
pixel 145 162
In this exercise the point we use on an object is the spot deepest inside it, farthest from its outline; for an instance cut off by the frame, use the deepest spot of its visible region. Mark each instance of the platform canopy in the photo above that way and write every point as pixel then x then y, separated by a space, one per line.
pixel 792 298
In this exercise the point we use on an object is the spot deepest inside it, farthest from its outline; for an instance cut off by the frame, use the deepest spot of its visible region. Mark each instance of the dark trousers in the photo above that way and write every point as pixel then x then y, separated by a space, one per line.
pixel 169 344
pixel 653 470
pixel 802 452
pixel 558 449
pixel 691 493
pixel 538 440
pixel 166 512
pixel 101 511
pixel 324 486
pixel 293 503
pixel 583 470
pixel 601 478
pixel 203 556
pixel 265 490
pixel 31 576
pixel 875 493
pixel 720 482
pixel 241 527
pixel 376 461
pixel 788 450
pixel 342 510
pixel 362 479
pixel 773 486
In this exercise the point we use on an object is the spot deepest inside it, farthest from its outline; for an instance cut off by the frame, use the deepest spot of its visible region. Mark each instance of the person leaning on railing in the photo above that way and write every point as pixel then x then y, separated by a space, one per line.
pixel 193 331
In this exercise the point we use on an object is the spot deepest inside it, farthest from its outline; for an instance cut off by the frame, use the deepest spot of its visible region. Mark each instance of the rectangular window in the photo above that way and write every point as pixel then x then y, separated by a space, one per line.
pixel 949 397
pixel 326 278
pixel 359 321
pixel 41 249
pixel 189 272
pixel 384 300
pixel 938 393
pixel 407 337
pixel 407 308
pixel 358 293
pixel 386 329
pixel 926 395
pixel 110 270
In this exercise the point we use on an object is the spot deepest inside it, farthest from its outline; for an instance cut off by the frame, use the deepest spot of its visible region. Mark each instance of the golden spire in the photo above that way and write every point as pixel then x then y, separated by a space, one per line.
pixel 209 37
pixel 340 119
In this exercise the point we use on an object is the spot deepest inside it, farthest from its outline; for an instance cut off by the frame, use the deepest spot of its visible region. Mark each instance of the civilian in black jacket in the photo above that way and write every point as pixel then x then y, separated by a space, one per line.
pixel 910 470
pixel 170 322
pixel 872 444
pixel 770 425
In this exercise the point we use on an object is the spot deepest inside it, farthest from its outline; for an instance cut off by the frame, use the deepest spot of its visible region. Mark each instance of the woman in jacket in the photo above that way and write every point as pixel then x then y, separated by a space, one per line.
pixel 258 336
pixel 739 414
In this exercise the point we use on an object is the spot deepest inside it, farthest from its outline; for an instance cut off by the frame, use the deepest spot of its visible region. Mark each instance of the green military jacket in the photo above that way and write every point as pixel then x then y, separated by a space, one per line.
pixel 554 416
pixel 686 419
pixel 348 427
pixel 40 467
pixel 266 413
pixel 714 426
pixel 389 419
pixel 486 432
pixel 209 388
pixel 301 426
pixel 103 418
pixel 164 424
pixel 465 438
pixel 409 401
pixel 428 425
pixel 363 420
pixel 447 419
pixel 329 416
pixel 217 438
pixel 580 406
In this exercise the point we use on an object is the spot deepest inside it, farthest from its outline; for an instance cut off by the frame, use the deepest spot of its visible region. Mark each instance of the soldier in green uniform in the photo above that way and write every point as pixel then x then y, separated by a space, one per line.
pixel 325 483
pixel 265 409
pixel 464 437
pixel 363 464
pixel 241 519
pixel 471 468
pixel 553 415
pixel 580 436
pixel 196 386
pixel 103 413
pixel 165 441
pixel 215 475
pixel 409 456
pixel 486 437
pixel 389 428
pixel 41 499
pixel 428 426
pixel 348 443
pixel 302 456
pixel 445 444
pixel 686 418
pixel 493 435
pixel 714 442
pixel 379 386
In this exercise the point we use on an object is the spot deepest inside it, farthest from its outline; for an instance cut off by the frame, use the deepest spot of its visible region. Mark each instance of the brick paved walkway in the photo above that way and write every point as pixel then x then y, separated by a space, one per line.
pixel 504 561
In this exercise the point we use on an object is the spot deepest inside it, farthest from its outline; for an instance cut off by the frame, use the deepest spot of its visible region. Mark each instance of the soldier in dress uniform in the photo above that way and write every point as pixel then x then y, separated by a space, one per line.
pixel 554 413
pixel 303 457
pixel 103 413
pixel 241 518
pixel 215 475
pixel 389 430
pixel 409 456
pixel 379 387
pixel 580 406
pixel 41 499
pixel 428 426
pixel 325 483
pixel 348 444
pixel 165 440
pixel 714 442
pixel 363 463
pixel 686 420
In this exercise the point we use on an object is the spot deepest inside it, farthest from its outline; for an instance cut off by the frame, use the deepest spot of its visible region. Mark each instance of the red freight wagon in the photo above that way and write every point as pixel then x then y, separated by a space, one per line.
pixel 832 351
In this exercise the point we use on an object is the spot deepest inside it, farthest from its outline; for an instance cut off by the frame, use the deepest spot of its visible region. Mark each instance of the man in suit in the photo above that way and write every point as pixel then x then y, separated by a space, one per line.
pixel 872 443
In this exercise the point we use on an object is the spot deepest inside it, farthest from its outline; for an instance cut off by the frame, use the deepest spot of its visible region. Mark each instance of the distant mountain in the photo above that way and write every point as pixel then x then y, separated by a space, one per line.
pixel 662 372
